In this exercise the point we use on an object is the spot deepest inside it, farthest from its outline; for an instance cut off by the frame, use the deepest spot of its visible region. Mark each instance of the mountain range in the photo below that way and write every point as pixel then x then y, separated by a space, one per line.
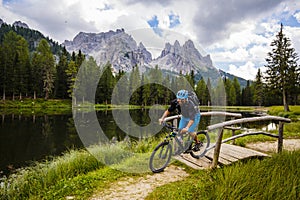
pixel 123 52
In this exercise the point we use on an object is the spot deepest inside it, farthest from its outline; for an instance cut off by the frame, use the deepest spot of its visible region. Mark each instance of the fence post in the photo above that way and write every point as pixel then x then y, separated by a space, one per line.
pixel 280 137
pixel 217 148
pixel 233 134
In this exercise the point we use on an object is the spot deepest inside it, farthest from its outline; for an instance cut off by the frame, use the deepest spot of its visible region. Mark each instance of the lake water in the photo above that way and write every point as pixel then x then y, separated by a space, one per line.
pixel 24 139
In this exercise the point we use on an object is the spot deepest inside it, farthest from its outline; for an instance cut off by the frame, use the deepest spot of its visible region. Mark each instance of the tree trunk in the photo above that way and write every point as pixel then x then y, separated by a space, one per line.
pixel 46 95
pixel 3 94
pixel 285 103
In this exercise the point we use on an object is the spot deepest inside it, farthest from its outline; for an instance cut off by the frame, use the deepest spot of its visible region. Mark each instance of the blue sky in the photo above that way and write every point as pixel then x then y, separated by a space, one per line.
pixel 237 33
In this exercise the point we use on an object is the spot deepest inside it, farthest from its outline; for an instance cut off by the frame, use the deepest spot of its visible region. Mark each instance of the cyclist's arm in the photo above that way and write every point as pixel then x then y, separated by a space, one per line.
pixel 166 113
pixel 171 108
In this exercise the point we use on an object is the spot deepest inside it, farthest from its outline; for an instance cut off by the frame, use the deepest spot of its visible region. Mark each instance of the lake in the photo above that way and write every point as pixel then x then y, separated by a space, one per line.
pixel 24 139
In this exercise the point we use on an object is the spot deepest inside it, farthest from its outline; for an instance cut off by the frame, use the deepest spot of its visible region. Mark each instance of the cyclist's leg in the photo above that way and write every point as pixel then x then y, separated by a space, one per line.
pixel 193 128
pixel 183 122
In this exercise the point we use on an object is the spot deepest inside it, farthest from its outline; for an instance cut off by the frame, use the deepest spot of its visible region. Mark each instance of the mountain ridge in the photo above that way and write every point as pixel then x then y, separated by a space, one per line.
pixel 123 52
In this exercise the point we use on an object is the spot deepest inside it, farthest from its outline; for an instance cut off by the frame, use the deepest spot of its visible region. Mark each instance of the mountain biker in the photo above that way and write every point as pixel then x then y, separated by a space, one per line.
pixel 190 115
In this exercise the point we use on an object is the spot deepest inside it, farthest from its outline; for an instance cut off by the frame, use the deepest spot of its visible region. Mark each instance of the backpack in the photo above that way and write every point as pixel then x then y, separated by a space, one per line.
pixel 193 98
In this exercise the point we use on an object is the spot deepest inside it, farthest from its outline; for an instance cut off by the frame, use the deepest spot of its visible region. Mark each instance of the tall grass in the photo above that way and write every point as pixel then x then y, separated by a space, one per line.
pixel 32 181
pixel 78 172
pixel 271 178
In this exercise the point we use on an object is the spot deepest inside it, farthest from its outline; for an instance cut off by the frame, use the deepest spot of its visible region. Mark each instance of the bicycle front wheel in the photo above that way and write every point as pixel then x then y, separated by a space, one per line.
pixel 200 150
pixel 160 157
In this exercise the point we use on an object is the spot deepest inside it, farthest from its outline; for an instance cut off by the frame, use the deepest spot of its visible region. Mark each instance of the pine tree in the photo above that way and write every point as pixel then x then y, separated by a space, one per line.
pixel 282 69
pixel 237 88
pixel 44 64
pixel 134 86
pixel 87 81
pixel 258 95
pixel 106 84
pixel 61 82
pixel 156 88
pixel 14 65
pixel 71 73
pixel 145 90
pixel 247 94
pixel 200 91
pixel 121 89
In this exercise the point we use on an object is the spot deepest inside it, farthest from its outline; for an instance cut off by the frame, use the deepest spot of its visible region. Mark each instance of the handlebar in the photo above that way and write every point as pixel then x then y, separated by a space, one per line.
pixel 167 125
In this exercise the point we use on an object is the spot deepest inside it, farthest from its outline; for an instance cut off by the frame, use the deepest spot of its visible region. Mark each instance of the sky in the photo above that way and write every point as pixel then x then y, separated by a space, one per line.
pixel 235 33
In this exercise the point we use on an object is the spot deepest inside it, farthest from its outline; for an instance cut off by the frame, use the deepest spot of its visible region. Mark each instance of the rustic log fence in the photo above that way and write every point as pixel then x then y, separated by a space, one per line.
pixel 231 126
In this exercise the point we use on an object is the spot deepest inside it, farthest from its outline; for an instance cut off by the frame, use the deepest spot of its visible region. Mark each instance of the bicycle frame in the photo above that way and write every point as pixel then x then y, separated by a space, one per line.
pixel 175 134
pixel 162 153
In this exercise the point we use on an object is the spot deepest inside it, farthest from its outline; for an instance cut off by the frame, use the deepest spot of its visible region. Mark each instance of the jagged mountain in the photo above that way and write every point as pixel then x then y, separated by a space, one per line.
pixel 117 47
pixel 183 58
pixel 122 51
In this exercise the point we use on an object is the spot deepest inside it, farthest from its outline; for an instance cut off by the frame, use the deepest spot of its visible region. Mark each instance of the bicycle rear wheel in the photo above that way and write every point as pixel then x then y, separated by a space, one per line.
pixel 160 157
pixel 204 139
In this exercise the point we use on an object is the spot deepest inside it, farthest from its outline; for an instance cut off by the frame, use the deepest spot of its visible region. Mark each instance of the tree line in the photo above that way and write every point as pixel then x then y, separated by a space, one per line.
pixel 41 74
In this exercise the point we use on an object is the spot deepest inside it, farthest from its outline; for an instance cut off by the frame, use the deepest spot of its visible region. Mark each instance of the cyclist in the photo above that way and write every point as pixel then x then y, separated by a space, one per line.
pixel 190 115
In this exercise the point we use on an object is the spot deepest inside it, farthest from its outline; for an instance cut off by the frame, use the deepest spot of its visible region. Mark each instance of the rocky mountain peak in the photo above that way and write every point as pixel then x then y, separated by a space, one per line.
pixel 117 47
pixel 20 24
pixel 182 58
pixel 189 45
pixel 122 51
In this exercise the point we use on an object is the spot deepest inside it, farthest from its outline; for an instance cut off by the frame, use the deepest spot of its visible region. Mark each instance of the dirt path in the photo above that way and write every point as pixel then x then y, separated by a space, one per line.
pixel 137 189
pixel 271 147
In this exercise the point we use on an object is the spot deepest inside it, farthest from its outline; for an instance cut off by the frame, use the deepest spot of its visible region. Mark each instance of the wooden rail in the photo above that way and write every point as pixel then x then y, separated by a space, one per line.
pixel 229 125
pixel 226 124
pixel 226 114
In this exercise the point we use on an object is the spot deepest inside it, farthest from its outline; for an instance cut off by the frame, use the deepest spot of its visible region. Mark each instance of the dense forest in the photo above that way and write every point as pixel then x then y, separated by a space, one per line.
pixel 33 66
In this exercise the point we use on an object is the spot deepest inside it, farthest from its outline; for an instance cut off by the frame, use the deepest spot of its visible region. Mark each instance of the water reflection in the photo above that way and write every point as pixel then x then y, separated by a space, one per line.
pixel 24 139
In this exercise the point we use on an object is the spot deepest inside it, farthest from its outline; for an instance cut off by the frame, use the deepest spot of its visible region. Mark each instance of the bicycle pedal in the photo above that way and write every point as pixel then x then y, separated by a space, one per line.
pixel 188 151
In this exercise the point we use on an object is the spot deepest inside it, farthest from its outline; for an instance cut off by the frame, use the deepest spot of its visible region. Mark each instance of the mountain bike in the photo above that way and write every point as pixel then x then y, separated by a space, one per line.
pixel 177 143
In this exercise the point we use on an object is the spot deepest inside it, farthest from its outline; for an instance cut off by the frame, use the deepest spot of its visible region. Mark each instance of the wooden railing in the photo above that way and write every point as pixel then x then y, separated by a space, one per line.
pixel 226 124
pixel 230 125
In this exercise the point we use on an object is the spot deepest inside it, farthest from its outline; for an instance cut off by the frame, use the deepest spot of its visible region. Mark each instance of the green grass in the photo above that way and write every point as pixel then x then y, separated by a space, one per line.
pixel 78 172
pixel 272 178
pixel 293 114
pixel 37 106
pixel 33 181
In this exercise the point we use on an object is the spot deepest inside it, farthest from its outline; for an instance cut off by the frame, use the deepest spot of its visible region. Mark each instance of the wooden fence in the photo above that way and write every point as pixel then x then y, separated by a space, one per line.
pixel 231 126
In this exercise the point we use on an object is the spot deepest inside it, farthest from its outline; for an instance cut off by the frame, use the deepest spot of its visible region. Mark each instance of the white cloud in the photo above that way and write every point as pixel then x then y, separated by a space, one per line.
pixel 247 71
pixel 297 16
